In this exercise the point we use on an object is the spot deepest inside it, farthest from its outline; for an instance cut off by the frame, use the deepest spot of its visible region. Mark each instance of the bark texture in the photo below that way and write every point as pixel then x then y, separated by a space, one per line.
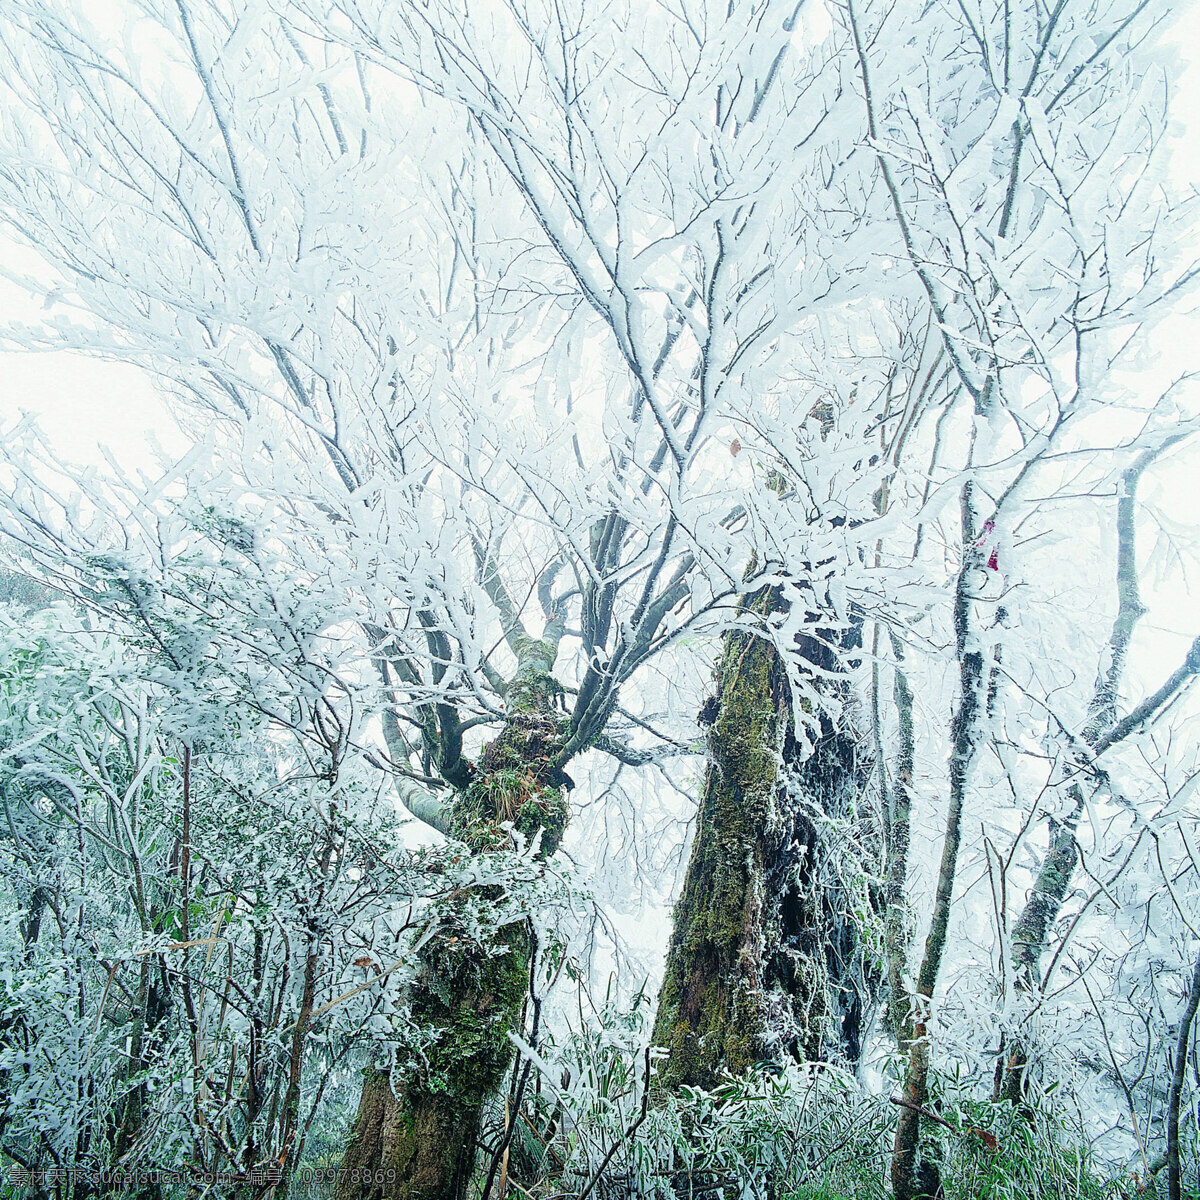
pixel 762 961
pixel 1029 939
pixel 817 979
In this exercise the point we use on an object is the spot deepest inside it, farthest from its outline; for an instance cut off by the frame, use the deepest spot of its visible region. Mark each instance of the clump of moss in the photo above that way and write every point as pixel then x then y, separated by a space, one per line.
pixel 473 996
pixel 516 783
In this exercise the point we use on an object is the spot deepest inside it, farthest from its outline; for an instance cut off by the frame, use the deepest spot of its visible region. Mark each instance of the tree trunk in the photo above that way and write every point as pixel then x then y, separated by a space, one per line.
pixel 415 1133
pixel 1174 1172
pixel 817 979
pixel 1053 880
pixel 910 1178
pixel 711 1012
pixel 896 924
pixel 761 959
pixel 1029 938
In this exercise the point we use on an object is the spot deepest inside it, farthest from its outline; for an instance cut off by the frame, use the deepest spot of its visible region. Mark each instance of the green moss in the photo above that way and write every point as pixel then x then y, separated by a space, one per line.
pixel 545 811
pixel 420 1123
pixel 412 1144
pixel 711 1010
pixel 472 997
pixel 515 783
pixel 472 994
pixel 534 688
pixel 816 1192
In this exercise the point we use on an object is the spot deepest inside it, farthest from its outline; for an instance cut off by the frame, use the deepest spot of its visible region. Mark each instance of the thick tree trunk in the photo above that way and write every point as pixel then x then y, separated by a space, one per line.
pixel 711 1011
pixel 415 1134
pixel 424 1140
pixel 816 978
pixel 761 962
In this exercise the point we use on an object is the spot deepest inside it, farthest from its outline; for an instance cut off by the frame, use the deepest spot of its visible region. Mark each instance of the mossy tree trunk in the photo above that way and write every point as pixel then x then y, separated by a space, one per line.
pixel 711 1013
pixel 1029 939
pixel 415 1133
pixel 758 955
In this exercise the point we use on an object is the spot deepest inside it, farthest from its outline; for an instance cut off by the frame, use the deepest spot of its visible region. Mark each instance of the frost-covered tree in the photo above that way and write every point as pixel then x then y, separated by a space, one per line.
pixel 386 403
pixel 1025 191
pixel 531 352
pixel 208 905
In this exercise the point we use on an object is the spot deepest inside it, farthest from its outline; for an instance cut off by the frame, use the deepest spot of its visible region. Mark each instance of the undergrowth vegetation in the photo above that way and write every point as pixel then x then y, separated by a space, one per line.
pixel 596 1125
